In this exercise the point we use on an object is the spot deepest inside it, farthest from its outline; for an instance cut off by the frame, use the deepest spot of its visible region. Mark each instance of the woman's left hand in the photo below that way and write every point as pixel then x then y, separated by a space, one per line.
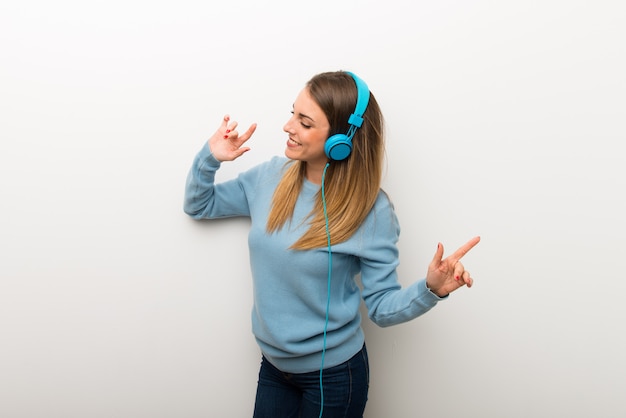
pixel 446 275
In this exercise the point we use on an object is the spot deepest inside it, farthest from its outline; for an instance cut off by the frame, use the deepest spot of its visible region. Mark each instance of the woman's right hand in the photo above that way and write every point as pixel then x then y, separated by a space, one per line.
pixel 226 143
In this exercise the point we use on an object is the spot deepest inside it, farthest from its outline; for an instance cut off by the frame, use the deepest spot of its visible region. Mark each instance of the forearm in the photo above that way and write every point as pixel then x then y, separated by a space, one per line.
pixel 401 305
pixel 200 185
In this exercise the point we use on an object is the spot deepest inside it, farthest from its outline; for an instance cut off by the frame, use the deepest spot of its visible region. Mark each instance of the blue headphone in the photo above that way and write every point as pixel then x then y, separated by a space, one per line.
pixel 339 146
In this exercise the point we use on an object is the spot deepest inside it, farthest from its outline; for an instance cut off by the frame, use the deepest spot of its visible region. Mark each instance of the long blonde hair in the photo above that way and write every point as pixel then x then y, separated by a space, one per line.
pixel 351 185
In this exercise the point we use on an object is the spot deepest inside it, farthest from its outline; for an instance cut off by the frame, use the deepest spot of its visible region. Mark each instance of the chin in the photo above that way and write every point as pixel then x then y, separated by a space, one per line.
pixel 289 154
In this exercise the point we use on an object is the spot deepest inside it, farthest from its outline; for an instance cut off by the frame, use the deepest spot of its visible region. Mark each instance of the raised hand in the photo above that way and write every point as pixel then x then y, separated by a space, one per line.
pixel 446 275
pixel 226 143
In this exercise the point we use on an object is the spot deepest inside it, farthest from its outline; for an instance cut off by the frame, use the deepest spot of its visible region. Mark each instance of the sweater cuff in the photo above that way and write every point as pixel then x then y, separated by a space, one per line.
pixel 430 292
pixel 207 156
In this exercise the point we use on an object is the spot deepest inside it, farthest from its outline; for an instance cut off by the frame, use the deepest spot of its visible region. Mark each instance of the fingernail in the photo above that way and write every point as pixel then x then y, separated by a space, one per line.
pixel 225 136
pixel 456 277
pixel 227 130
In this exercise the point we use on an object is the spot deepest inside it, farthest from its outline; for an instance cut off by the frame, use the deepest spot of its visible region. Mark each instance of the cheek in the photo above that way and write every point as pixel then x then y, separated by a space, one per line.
pixel 318 142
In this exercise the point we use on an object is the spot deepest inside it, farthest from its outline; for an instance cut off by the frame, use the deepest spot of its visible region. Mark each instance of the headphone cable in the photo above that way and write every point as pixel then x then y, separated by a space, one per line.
pixel 330 267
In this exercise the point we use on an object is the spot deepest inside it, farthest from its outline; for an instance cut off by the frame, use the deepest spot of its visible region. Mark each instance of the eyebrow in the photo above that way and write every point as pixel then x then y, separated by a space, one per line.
pixel 302 115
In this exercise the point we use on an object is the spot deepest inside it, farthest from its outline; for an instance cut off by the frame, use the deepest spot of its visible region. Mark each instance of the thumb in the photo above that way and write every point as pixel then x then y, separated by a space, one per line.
pixel 241 151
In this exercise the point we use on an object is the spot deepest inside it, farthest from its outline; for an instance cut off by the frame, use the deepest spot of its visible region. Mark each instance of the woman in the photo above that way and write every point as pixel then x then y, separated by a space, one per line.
pixel 319 219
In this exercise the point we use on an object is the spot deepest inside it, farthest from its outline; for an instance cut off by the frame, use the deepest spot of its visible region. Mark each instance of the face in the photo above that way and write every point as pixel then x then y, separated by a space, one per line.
pixel 308 130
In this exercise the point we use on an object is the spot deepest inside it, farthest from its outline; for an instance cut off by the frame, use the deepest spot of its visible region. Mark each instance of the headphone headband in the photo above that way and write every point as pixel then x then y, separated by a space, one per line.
pixel 362 99
pixel 339 146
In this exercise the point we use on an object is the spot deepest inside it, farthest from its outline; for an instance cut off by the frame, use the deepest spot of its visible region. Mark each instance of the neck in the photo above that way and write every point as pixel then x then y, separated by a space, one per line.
pixel 314 172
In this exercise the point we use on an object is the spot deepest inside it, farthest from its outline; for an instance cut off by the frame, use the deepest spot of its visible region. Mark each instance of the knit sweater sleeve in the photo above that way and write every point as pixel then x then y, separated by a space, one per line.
pixel 387 302
pixel 206 200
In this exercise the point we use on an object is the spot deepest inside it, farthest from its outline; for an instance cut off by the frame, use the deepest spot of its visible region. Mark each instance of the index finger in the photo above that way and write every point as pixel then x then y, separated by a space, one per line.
pixel 464 249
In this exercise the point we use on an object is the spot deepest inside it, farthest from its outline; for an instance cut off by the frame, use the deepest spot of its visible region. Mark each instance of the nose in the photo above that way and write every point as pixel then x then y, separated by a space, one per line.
pixel 288 127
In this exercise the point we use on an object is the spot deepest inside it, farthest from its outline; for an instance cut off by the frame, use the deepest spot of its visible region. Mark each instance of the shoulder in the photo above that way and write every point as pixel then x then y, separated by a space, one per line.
pixel 382 218
pixel 279 163
pixel 274 163
pixel 383 203
pixel 269 170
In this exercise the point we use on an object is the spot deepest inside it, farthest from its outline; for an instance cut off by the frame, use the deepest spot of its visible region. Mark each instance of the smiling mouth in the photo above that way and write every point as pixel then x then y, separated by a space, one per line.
pixel 294 142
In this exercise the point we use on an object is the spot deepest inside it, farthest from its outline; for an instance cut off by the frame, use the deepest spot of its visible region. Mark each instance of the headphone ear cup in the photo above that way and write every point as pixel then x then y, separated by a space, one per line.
pixel 338 147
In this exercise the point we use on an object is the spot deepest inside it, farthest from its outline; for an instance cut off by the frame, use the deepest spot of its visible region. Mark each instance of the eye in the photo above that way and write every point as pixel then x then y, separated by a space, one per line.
pixel 304 125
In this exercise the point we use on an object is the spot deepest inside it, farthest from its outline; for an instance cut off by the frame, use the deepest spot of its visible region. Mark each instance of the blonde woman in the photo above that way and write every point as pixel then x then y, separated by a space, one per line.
pixel 318 219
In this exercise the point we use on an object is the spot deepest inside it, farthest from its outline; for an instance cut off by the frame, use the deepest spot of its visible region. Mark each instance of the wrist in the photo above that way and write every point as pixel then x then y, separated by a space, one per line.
pixel 436 292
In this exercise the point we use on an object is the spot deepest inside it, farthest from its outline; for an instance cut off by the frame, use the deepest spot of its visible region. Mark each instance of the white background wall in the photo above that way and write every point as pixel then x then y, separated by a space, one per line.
pixel 505 119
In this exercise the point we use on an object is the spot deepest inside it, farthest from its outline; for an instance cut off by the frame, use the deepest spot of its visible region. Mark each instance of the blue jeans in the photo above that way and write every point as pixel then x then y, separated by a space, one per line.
pixel 288 395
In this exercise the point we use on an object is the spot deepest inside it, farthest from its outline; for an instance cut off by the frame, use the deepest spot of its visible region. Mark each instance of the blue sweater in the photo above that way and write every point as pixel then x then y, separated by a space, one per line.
pixel 290 286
